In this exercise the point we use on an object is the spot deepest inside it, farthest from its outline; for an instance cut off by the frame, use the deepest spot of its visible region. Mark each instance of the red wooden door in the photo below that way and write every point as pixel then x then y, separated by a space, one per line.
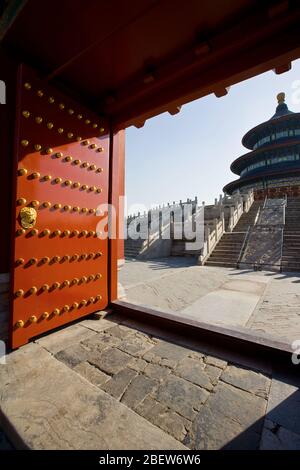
pixel 60 260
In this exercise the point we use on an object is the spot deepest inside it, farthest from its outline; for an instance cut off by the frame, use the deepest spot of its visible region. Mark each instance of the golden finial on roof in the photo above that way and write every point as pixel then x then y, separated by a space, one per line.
pixel 281 98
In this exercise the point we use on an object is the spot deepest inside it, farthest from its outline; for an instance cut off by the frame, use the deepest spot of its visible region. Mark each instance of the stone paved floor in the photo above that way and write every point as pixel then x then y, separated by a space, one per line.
pixel 264 301
pixel 198 395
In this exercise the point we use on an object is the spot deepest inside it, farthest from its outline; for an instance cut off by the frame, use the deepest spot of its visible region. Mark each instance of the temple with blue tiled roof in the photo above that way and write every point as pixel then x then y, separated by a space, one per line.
pixel 272 167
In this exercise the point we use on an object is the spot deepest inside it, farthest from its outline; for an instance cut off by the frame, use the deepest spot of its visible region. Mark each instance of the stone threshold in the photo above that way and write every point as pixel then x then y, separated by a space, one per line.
pixel 232 338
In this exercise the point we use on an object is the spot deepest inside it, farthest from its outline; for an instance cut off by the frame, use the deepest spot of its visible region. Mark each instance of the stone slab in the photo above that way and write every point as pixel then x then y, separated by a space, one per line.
pixel 284 402
pixel 99 324
pixel 223 307
pixel 193 371
pixel 246 379
pixel 167 420
pixel 61 339
pixel 139 388
pixel 53 407
pixel 117 384
pixel 231 419
pixel 181 396
pixel 276 437
pixel 91 373
pixel 110 361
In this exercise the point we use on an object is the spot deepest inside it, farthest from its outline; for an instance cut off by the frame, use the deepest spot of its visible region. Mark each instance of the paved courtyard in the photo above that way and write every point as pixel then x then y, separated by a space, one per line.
pixel 115 383
pixel 263 301
pixel 118 383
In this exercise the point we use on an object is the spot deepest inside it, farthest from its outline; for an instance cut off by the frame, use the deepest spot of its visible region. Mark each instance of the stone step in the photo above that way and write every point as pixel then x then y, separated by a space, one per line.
pixel 290 242
pixel 220 263
pixel 233 235
pixel 221 250
pixel 290 269
pixel 228 246
pixel 133 243
pixel 229 255
pixel 131 254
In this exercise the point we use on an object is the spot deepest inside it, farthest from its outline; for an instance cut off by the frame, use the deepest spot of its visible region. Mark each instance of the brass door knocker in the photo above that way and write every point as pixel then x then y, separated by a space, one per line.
pixel 28 216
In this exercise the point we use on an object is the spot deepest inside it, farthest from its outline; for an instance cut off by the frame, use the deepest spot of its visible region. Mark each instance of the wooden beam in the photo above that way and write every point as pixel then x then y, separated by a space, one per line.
pixel 9 16
pixel 283 68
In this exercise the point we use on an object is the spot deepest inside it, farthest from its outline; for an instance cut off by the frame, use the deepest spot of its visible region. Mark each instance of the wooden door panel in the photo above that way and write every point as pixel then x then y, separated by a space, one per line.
pixel 60 265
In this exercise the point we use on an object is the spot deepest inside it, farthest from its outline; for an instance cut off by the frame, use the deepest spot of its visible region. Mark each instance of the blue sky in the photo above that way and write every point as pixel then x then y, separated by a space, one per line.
pixel 189 154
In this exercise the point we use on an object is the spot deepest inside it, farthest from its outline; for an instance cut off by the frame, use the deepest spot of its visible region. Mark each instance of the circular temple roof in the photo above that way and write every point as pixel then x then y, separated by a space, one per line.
pixel 282 113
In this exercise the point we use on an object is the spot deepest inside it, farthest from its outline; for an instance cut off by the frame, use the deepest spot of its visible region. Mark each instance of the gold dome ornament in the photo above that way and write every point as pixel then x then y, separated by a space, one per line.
pixel 19 293
pixel 27 86
pixel 35 203
pixel 281 97
pixel 28 216
pixel 19 324
pixel 22 172
pixel 26 114
pixel 25 143
pixel 39 120
pixel 21 201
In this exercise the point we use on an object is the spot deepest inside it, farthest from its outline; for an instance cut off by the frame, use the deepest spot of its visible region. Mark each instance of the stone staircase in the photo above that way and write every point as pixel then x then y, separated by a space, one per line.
pixel 290 260
pixel 132 248
pixel 248 218
pixel 227 250
pixel 179 248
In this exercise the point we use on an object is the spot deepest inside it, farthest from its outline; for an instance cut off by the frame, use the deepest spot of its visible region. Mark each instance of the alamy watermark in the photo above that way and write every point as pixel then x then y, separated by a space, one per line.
pixel 2 92
pixel 177 222
pixel 296 353
pixel 2 353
